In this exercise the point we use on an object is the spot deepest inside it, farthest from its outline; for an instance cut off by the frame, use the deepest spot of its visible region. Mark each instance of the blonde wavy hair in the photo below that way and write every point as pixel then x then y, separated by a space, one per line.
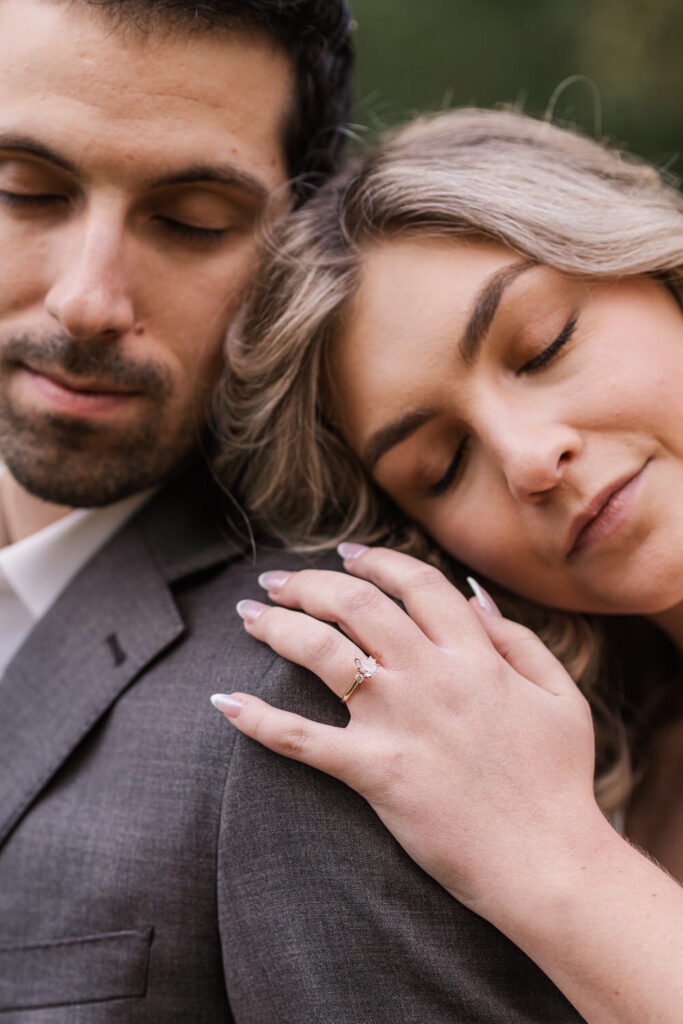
pixel 549 194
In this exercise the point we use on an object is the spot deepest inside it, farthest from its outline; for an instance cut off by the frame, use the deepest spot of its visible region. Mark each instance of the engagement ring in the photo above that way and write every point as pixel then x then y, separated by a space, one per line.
pixel 365 669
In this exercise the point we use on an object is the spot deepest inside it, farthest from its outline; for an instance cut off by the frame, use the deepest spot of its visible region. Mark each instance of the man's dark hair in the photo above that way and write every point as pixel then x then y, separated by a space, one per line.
pixel 315 34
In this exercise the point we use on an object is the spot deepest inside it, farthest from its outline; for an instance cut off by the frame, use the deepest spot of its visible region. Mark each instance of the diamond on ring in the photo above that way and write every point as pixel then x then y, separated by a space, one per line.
pixel 366 666
pixel 365 669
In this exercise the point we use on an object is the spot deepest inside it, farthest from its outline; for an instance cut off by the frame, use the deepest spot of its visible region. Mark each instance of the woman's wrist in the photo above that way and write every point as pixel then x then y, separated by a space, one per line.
pixel 603 922
pixel 547 878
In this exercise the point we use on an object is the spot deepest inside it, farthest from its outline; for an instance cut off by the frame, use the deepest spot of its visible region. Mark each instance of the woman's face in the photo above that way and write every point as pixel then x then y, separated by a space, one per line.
pixel 531 421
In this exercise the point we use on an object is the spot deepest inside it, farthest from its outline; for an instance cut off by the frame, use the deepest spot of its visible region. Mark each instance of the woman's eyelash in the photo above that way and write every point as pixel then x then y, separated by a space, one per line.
pixel 547 354
pixel 449 477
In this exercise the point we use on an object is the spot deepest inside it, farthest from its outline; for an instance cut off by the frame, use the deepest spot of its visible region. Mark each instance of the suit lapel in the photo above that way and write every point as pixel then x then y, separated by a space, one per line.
pixel 112 620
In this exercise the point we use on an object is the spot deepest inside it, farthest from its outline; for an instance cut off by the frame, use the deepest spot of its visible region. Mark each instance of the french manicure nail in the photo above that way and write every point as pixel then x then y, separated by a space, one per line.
pixel 485 600
pixel 230 706
pixel 250 610
pixel 350 551
pixel 273 581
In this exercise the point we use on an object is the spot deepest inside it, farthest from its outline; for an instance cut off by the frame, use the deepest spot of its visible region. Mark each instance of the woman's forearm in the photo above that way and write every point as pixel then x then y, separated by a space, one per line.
pixel 607 927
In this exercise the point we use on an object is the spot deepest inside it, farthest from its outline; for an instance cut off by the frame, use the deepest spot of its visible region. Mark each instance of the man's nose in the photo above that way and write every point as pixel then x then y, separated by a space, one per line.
pixel 534 453
pixel 91 298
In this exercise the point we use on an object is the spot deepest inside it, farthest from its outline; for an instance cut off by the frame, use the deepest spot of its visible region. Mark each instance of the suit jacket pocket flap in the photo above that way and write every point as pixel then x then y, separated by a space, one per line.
pixel 80 970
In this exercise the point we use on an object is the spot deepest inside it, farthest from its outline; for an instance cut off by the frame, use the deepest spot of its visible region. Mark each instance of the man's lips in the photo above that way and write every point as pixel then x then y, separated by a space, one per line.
pixel 86 387
pixel 605 513
pixel 78 397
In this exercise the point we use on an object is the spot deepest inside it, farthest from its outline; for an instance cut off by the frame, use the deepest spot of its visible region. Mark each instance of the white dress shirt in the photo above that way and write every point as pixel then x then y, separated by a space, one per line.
pixel 35 570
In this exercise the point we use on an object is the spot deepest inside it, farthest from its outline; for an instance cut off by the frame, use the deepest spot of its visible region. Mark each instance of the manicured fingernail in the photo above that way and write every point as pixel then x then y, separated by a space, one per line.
pixel 350 551
pixel 250 610
pixel 273 581
pixel 485 600
pixel 230 706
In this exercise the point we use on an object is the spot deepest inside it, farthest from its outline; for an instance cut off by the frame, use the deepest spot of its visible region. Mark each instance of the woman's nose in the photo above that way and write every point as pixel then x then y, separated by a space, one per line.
pixel 534 456
pixel 91 297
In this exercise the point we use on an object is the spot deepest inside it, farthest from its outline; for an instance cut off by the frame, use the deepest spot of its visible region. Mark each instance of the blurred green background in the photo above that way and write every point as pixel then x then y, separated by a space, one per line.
pixel 438 53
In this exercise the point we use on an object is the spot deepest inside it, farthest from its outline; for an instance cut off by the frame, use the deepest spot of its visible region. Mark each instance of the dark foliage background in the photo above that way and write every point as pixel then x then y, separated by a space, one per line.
pixel 432 53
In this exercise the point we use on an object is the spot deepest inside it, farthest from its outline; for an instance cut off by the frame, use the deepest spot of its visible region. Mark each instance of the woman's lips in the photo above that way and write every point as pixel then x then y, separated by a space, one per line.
pixel 605 514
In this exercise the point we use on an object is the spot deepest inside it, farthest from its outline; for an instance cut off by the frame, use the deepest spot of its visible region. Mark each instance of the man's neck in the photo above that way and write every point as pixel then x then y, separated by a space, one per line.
pixel 21 513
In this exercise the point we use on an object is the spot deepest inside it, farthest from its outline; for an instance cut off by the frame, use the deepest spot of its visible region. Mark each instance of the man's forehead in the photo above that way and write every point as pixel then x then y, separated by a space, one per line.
pixel 69 42
pixel 64 69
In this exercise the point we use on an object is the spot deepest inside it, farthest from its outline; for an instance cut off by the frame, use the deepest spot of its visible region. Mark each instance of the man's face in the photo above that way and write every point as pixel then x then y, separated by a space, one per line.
pixel 132 176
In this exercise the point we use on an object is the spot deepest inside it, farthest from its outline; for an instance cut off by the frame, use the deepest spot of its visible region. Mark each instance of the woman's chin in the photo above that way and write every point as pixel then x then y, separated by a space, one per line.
pixel 644 603
pixel 648 583
pixel 649 597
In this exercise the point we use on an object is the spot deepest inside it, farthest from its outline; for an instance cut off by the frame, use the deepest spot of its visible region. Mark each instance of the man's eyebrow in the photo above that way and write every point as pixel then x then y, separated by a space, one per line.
pixel 486 305
pixel 387 437
pixel 220 174
pixel 216 174
pixel 25 144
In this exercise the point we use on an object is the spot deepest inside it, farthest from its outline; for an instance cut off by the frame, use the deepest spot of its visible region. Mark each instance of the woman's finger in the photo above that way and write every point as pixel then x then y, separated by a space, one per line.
pixel 432 601
pixel 304 640
pixel 371 619
pixel 324 747
pixel 526 653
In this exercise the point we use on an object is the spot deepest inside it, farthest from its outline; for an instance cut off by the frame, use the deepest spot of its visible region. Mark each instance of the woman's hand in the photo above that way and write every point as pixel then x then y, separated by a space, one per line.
pixel 475 748
pixel 471 742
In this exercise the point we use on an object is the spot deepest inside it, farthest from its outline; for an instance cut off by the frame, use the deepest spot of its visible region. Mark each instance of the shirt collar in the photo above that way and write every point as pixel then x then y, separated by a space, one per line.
pixel 39 567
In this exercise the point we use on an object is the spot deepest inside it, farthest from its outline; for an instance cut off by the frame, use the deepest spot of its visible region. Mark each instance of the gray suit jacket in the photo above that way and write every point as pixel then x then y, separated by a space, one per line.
pixel 156 866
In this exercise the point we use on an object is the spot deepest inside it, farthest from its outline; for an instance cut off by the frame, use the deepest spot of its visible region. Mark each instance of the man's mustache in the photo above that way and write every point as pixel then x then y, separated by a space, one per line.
pixel 82 360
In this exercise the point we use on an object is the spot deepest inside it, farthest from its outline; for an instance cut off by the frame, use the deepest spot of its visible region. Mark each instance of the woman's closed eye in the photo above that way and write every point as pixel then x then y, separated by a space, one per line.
pixel 456 465
pixel 452 473
pixel 548 353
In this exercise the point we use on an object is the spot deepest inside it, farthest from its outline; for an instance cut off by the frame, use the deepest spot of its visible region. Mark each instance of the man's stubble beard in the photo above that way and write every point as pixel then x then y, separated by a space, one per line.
pixel 84 463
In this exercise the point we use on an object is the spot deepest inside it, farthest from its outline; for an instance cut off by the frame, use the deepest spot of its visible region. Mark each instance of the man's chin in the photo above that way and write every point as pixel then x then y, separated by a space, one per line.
pixel 93 481
pixel 83 464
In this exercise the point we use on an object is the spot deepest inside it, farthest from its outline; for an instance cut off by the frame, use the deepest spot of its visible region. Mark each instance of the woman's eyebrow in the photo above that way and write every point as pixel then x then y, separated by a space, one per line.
pixel 486 305
pixel 392 434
